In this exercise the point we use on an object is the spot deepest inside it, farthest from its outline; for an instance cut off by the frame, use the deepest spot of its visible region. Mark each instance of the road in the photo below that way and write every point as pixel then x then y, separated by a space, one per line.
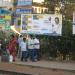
pixel 32 70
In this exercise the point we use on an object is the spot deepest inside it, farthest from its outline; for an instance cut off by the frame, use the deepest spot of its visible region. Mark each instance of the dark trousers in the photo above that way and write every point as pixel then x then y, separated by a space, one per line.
pixel 37 54
pixel 32 54
pixel 24 55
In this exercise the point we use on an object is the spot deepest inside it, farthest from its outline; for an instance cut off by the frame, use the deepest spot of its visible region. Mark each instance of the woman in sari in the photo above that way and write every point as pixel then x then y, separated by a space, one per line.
pixel 12 46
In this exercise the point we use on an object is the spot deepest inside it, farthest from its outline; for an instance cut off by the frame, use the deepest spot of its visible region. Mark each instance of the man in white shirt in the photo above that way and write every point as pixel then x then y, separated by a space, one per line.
pixel 20 39
pixel 36 48
pixel 23 46
pixel 30 43
pixel 31 48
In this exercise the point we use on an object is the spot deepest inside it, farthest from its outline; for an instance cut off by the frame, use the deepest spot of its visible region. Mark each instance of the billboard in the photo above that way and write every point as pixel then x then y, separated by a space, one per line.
pixel 44 24
pixel 5 22
pixel 24 2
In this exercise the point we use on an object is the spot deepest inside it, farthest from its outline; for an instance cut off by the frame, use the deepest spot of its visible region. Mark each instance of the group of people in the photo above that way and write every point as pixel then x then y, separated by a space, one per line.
pixel 29 48
pixel 8 47
pixel 25 47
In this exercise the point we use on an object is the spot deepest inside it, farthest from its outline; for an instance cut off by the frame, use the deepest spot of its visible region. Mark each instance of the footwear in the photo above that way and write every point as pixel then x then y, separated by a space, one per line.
pixel 13 60
pixel 25 60
pixel 21 60
pixel 34 60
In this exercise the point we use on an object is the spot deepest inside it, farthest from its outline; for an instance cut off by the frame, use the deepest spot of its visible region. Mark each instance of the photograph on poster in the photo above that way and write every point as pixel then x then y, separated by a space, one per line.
pixel 24 23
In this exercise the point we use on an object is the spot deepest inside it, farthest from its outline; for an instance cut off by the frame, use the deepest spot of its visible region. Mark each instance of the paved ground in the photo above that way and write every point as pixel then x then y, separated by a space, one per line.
pixel 32 70
pixel 40 67
pixel 69 66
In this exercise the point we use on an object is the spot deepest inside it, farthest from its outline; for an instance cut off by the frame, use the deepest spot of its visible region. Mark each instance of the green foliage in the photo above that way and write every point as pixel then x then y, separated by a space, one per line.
pixel 64 44
pixel 67 28
pixel 2 35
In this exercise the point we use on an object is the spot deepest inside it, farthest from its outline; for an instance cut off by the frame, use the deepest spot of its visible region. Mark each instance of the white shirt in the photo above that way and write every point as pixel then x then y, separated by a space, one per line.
pixel 20 40
pixel 23 46
pixel 36 43
pixel 30 44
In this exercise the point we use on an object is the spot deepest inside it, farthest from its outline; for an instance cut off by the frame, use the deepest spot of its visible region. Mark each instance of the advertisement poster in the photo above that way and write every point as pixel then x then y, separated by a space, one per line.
pixel 44 24
pixel 5 22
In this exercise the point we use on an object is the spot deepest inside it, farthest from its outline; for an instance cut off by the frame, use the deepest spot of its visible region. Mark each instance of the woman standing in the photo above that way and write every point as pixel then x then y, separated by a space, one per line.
pixel 12 46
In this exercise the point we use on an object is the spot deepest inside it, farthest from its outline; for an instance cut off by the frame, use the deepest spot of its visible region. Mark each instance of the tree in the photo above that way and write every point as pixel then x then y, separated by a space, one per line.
pixel 51 5
pixel 65 42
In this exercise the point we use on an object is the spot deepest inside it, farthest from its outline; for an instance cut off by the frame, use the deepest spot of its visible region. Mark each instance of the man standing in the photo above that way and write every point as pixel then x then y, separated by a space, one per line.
pixel 31 48
pixel 37 48
pixel 24 50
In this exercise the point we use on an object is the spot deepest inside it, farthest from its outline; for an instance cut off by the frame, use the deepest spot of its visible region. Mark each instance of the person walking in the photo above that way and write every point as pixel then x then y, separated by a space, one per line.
pixel 37 48
pixel 24 51
pixel 12 47
pixel 31 48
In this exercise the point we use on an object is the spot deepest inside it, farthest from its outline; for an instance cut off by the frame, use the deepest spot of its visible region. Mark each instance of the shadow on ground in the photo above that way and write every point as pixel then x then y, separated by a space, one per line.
pixel 11 73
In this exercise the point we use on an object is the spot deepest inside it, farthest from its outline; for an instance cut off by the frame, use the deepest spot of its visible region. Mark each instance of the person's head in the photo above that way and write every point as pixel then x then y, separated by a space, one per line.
pixel 31 36
pixel 20 36
pixel 12 36
pixel 24 39
pixel 56 20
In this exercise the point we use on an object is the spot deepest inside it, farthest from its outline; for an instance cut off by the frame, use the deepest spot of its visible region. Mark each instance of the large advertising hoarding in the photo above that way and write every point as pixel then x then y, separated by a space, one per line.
pixel 74 23
pixel 24 2
pixel 5 22
pixel 44 24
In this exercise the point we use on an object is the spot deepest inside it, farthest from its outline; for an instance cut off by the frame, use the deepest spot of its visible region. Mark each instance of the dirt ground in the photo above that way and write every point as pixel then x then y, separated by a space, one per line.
pixel 32 70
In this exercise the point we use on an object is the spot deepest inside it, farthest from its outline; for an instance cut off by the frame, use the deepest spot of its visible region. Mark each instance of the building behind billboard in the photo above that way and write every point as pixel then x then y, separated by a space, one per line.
pixel 6 3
